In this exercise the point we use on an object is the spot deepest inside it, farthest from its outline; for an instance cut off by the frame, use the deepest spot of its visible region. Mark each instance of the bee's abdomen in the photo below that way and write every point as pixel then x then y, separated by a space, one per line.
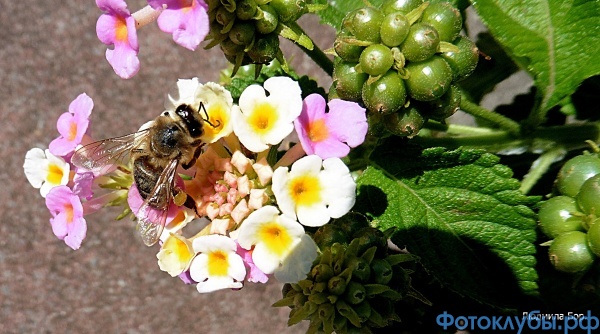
pixel 145 175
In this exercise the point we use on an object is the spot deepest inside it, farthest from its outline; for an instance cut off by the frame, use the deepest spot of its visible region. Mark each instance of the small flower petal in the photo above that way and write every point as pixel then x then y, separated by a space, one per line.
pixel 272 235
pixel 217 266
pixel 45 170
pixel 263 120
pixel 67 223
pixel 312 194
pixel 186 20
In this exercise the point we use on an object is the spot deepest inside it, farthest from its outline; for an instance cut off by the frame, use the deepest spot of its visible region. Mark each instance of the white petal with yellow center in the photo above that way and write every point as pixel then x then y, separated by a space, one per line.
pixel 175 255
pixel 299 262
pixel 263 120
pixel 312 194
pixel 45 170
pixel 218 103
pixel 217 265
pixel 272 235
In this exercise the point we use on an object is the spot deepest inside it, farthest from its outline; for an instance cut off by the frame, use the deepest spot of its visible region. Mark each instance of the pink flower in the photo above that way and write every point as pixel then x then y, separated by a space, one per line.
pixel 255 275
pixel 186 20
pixel 67 223
pixel 72 126
pixel 135 201
pixel 331 134
pixel 117 27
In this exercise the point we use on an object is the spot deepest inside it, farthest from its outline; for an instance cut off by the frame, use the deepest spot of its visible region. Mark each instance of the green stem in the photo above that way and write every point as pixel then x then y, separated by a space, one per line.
pixel 571 137
pixel 458 129
pixel 316 54
pixel 504 123
pixel 540 167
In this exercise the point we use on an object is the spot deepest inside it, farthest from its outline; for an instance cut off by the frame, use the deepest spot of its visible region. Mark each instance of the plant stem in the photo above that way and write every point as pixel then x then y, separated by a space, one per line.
pixel 572 136
pixel 316 54
pixel 458 129
pixel 540 167
pixel 504 123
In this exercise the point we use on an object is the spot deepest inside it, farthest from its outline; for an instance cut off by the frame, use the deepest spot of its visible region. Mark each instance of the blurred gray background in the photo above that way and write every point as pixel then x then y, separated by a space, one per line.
pixel 49 54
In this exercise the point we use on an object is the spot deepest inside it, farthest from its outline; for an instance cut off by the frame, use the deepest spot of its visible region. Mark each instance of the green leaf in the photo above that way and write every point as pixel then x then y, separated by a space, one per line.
pixel 460 212
pixel 555 41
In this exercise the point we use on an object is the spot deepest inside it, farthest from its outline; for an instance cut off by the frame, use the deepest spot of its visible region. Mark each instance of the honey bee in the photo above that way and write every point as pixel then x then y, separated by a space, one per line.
pixel 156 151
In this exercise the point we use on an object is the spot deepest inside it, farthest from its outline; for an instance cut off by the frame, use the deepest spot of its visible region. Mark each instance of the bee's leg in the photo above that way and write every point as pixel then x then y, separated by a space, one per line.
pixel 194 158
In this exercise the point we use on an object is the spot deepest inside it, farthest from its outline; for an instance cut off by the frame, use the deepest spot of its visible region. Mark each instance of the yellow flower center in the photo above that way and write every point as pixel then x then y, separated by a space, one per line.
pixel 55 174
pixel 317 131
pixel 121 29
pixel 217 263
pixel 72 131
pixel 276 238
pixel 217 116
pixel 69 212
pixel 305 190
pixel 263 118
pixel 186 5
pixel 178 248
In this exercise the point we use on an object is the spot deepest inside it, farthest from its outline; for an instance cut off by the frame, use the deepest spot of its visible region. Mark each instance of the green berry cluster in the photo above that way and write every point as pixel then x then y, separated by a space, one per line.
pixel 402 60
pixel 353 284
pixel 247 30
pixel 572 219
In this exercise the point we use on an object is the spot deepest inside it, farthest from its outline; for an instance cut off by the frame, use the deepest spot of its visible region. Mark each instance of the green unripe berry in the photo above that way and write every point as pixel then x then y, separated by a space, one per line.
pixel 245 9
pixel 230 48
pixel 556 216
pixel 570 253
pixel 348 81
pixel 268 23
pixel 346 50
pixel 355 293
pixel 463 62
pixel 242 33
pixel 421 42
pixel 593 237
pixel 406 122
pixel 402 6
pixel 366 23
pixel 321 273
pixel 382 271
pixel 588 198
pixel 329 234
pixel 394 29
pixel 225 18
pixel 445 106
pixel 445 19
pixel 336 285
pixel 386 95
pixel 376 59
pixel 428 80
pixel 575 172
pixel 289 10
pixel 265 49
pixel 360 269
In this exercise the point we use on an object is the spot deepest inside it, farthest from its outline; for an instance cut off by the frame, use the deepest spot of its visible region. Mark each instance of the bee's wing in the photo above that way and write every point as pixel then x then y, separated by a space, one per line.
pixel 100 157
pixel 152 215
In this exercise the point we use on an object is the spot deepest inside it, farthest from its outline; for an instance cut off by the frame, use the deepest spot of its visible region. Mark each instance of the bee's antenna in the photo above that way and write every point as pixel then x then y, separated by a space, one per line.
pixel 206 119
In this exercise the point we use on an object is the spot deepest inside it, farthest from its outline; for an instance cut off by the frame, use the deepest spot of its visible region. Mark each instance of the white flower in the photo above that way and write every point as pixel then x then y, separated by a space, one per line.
pixel 299 262
pixel 217 266
pixel 263 120
pixel 218 104
pixel 175 254
pixel 186 93
pixel 45 170
pixel 273 236
pixel 313 194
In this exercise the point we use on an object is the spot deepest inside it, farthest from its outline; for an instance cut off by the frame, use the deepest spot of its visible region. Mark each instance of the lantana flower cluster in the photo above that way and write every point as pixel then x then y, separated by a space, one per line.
pixel 186 20
pixel 250 210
